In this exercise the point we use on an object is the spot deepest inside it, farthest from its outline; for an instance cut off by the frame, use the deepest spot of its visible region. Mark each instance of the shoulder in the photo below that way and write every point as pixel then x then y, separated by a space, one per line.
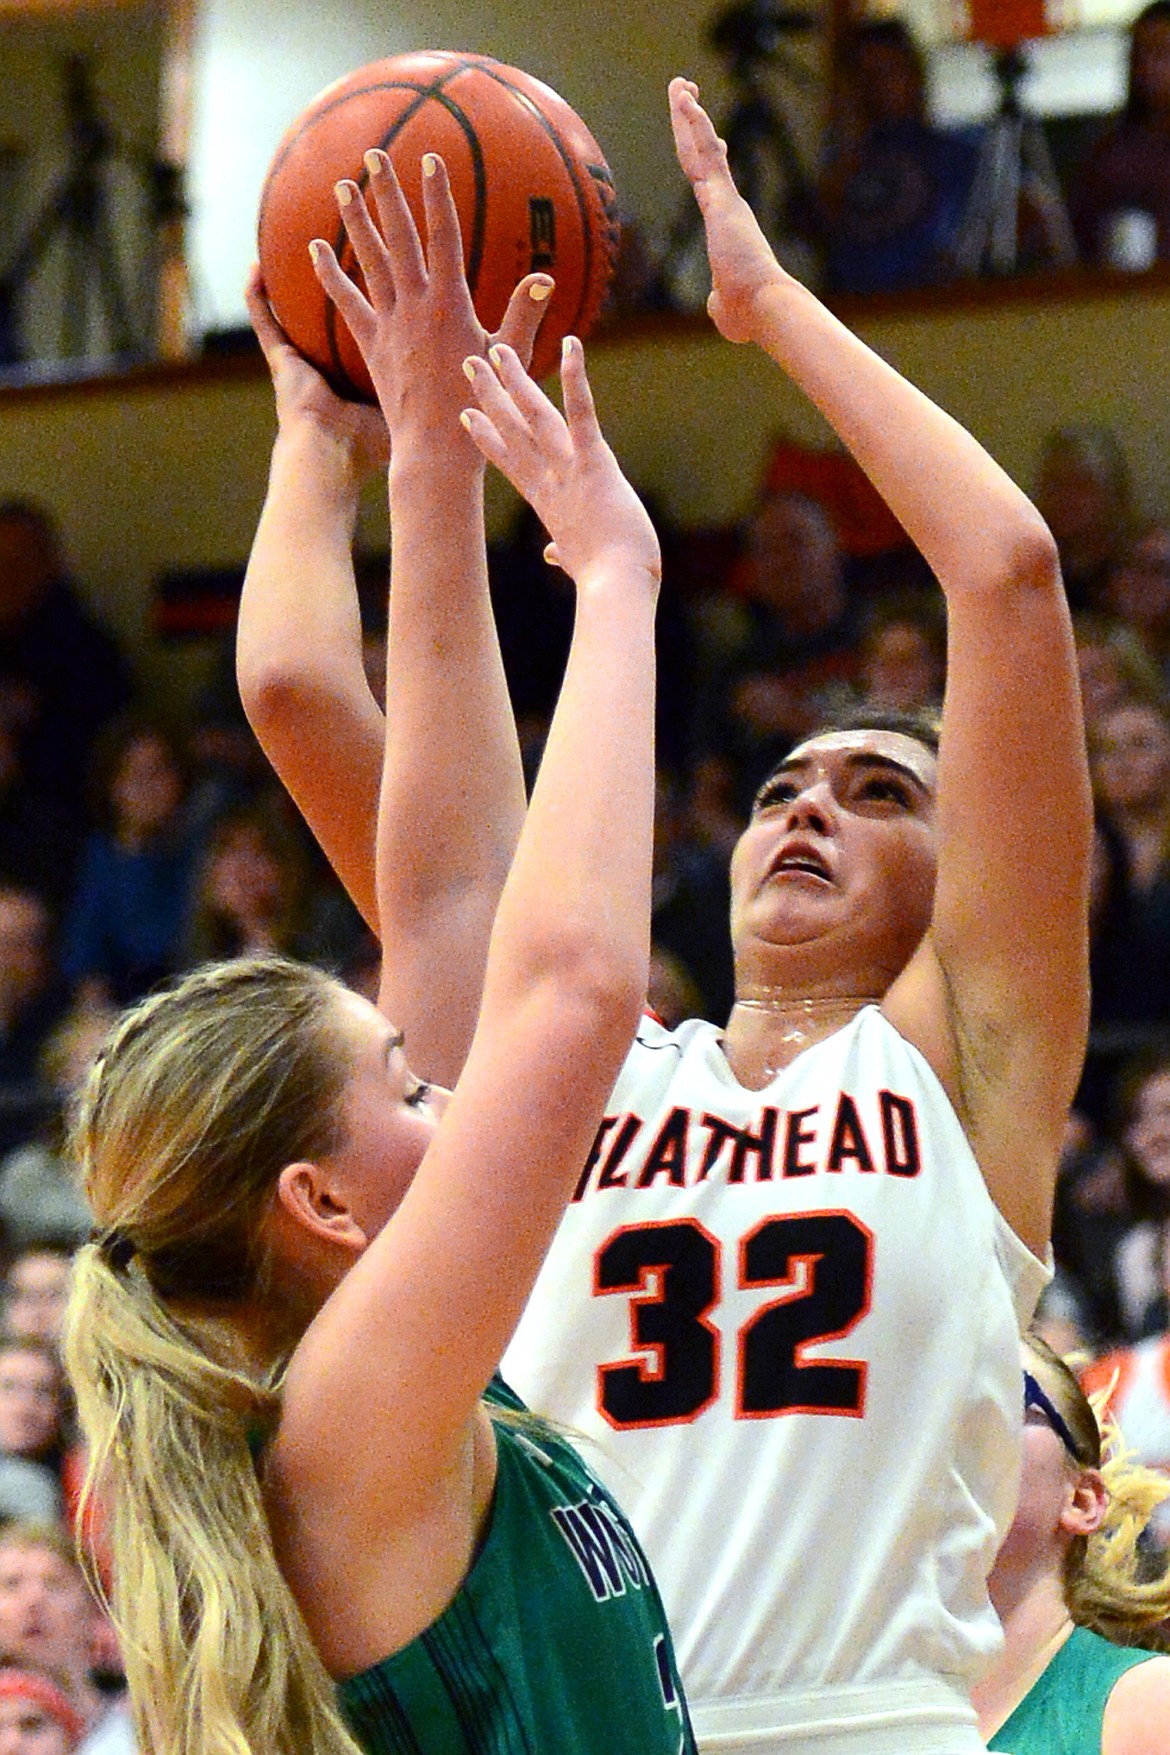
pixel 1137 1713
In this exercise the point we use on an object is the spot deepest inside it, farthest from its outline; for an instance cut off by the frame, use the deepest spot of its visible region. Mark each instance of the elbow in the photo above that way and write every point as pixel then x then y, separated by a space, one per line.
pixel 1030 558
pixel 272 693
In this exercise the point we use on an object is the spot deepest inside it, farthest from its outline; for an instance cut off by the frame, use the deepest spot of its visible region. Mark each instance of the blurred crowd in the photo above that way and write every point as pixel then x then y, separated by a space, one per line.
pixel 897 201
pixel 134 844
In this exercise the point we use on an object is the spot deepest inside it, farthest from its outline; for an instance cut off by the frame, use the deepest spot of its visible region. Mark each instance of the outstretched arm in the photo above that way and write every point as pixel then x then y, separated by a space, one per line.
pixel 452 794
pixel 381 1389
pixel 299 638
pixel 997 996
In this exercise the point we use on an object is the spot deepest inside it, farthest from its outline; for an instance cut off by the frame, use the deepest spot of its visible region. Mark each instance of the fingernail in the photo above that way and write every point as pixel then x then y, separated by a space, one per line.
pixel 374 162
pixel 540 290
pixel 469 366
pixel 567 347
pixel 315 248
pixel 465 420
pixel 344 193
pixel 495 356
pixel 430 164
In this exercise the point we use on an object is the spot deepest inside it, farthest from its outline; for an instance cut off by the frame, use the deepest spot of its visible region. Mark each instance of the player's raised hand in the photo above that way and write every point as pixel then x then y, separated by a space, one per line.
pixel 743 264
pixel 561 464
pixel 302 395
pixel 414 321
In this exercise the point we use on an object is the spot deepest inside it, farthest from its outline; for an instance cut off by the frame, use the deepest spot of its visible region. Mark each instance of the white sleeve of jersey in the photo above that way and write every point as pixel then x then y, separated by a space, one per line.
pixel 1024 1272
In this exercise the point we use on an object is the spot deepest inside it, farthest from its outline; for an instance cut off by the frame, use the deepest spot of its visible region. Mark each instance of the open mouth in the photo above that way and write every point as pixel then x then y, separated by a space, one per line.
pixel 802 861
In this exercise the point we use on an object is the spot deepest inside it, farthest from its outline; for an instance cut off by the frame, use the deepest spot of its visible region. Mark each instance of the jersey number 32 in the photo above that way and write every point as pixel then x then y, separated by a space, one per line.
pixel 672 1272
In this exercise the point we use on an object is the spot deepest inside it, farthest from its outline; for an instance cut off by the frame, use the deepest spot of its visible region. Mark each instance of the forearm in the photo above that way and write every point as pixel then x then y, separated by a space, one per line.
pixel 578 895
pixel 299 653
pixel 453 790
pixel 299 624
pixel 972 524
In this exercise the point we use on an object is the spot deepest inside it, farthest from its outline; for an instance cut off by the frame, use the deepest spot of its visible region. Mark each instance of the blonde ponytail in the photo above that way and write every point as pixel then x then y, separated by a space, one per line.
pixel 199 1098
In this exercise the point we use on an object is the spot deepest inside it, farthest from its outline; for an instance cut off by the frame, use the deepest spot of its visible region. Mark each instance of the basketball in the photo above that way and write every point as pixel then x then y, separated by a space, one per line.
pixel 531 186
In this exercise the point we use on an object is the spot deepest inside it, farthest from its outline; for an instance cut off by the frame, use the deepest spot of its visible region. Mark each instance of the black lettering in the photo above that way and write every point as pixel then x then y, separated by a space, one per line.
pixel 758 1145
pixel 594 1155
pixel 900 1135
pixel 719 1132
pixel 848 1138
pixel 542 232
pixel 630 1129
pixel 795 1136
pixel 669 1152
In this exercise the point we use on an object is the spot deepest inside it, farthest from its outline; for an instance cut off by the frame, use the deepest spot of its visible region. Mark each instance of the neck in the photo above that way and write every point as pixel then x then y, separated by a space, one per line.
pixel 1036 1623
pixel 767 1030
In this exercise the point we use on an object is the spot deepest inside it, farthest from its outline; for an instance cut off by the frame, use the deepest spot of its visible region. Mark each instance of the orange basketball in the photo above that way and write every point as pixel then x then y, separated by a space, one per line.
pixel 530 183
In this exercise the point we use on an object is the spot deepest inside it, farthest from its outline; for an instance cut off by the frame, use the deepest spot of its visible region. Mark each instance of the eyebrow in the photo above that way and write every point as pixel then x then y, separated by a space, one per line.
pixel 854 760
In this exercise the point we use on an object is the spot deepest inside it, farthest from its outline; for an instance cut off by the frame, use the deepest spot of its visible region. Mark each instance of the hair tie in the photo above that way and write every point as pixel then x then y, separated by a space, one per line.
pixel 117 1249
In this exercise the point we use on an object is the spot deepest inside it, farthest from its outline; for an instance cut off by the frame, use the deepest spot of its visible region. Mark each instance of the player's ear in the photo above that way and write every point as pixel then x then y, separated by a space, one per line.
pixel 309 1198
pixel 1085 1503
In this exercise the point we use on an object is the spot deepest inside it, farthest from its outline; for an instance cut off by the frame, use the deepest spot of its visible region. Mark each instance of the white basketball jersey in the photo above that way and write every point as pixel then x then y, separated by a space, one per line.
pixel 789 1320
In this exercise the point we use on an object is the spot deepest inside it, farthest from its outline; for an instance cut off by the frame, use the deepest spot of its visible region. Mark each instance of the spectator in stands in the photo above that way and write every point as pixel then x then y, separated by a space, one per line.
pixel 124 926
pixel 1091 1216
pixel 893 185
pixel 33 1438
pixel 791 629
pixel 40 1196
pixel 1130 745
pixel 1126 172
pixel 36 1717
pixel 1083 493
pixel 252 890
pixel 33 998
pixel 1130 748
pixel 903 653
pixel 1129 950
pixel 691 906
pixel 62 675
pixel 1138 591
pixel 36 1287
pixel 1142 1130
pixel 1077 1601
pixel 1115 665
pixel 49 1618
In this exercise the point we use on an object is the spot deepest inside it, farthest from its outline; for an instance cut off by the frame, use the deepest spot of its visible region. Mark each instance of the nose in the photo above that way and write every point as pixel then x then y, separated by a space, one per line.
pixel 814 807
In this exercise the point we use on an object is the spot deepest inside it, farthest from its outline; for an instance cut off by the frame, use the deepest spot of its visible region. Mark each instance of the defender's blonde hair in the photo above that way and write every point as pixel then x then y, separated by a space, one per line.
pixel 1108 1584
pixel 201 1096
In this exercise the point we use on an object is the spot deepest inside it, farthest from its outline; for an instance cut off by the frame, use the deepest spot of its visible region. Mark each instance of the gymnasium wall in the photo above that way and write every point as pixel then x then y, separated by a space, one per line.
pixel 167 468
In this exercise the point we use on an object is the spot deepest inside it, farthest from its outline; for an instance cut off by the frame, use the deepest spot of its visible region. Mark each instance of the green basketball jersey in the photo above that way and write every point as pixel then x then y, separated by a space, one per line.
pixel 1061 1713
pixel 555 1643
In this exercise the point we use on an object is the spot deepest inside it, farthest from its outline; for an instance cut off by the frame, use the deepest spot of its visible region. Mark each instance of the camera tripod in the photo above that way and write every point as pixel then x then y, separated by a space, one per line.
pixel 1013 166
pixel 96 304
pixel 761 152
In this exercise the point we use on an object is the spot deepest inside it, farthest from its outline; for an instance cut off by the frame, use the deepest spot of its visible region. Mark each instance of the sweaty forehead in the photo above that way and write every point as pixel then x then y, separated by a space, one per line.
pixel 889 746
